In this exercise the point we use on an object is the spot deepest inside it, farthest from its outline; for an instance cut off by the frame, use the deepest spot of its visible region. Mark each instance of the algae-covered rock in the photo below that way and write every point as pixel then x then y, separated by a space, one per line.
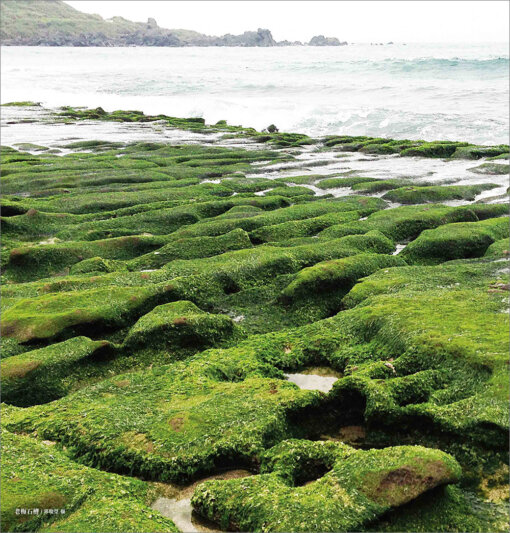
pixel 382 185
pixel 436 193
pixel 500 248
pixel 331 183
pixel 444 327
pixel 180 324
pixel 25 103
pixel 301 228
pixel 478 152
pixel 27 263
pixel 173 422
pixel 407 222
pixel 446 509
pixel 52 315
pixel 38 476
pixel 192 248
pixel 456 241
pixel 30 147
pixel 98 264
pixel 155 251
pixel 359 486
pixel 10 208
pixel 493 169
pixel 39 376
pixel 337 275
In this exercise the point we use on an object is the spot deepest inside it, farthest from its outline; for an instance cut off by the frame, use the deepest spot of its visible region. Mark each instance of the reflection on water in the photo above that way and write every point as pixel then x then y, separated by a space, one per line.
pixel 316 378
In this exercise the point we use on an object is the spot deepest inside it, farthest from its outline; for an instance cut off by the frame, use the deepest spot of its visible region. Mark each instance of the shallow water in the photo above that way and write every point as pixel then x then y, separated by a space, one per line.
pixel 352 435
pixel 181 513
pixel 178 507
pixel 43 130
pixel 398 248
pixel 418 169
pixel 317 378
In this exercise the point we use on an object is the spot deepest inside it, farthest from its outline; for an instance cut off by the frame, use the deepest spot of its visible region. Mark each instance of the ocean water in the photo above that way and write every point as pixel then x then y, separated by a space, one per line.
pixel 425 91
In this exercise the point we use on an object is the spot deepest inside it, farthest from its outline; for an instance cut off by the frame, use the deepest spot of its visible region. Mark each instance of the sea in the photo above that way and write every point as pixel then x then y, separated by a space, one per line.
pixel 415 91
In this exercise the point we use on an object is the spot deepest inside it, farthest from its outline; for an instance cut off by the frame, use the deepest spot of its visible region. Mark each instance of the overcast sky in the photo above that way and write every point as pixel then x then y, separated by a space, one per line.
pixel 354 21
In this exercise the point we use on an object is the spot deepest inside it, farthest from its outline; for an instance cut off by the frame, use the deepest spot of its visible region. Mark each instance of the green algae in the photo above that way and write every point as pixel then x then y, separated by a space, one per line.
pixel 173 423
pixel 192 248
pixel 407 222
pixel 447 509
pixel 331 183
pixel 405 308
pixel 478 152
pixel 96 265
pixel 180 323
pixel 196 287
pixel 301 228
pixel 25 103
pixel 43 375
pixel 55 314
pixel 37 476
pixel 499 248
pixel 337 275
pixel 31 147
pixel 436 193
pixel 491 169
pixel 358 487
pixel 436 149
pixel 456 241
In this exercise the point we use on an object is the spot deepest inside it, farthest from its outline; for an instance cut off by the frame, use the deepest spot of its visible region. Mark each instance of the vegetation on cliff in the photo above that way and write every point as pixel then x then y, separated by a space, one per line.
pixel 55 23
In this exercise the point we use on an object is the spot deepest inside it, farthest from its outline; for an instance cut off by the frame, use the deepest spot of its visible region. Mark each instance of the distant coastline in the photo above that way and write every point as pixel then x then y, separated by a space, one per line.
pixel 54 23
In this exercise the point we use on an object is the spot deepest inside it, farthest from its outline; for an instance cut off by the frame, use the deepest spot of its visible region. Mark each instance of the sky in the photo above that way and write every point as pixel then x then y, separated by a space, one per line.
pixel 353 21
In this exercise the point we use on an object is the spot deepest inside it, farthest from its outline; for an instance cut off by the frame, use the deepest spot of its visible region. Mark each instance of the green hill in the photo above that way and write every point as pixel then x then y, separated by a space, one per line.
pixel 55 23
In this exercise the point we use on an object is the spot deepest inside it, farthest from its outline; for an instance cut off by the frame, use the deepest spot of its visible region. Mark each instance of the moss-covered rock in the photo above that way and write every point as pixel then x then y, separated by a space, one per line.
pixel 55 314
pixel 436 193
pixel 493 169
pixel 98 264
pixel 180 324
pixel 338 275
pixel 42 375
pixel 456 241
pixel 37 477
pixel 358 487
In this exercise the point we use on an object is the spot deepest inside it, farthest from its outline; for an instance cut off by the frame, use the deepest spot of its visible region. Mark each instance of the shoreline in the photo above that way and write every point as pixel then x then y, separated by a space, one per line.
pixel 362 143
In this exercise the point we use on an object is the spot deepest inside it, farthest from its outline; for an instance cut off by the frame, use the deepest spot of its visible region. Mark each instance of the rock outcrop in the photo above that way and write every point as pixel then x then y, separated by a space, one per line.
pixel 320 40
